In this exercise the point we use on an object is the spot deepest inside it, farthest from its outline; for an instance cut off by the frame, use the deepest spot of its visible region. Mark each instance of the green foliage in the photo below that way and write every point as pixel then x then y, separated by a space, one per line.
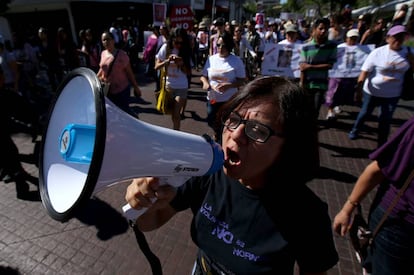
pixel 250 7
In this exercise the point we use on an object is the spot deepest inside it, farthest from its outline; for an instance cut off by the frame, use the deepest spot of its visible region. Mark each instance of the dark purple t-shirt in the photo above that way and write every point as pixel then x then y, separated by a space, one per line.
pixel 396 160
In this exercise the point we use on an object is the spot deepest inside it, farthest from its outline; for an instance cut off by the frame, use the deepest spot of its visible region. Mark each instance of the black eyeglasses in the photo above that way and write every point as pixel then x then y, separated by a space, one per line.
pixel 254 130
pixel 220 45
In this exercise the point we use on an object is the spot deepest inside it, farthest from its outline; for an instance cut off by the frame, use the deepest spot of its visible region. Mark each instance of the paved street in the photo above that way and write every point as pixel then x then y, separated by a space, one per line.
pixel 99 241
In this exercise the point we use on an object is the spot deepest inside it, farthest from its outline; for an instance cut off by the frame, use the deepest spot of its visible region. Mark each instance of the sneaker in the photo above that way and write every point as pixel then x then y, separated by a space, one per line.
pixel 353 134
pixel 337 110
pixel 330 115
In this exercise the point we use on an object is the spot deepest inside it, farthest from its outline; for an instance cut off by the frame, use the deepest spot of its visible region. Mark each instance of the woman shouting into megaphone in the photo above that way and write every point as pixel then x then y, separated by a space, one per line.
pixel 250 216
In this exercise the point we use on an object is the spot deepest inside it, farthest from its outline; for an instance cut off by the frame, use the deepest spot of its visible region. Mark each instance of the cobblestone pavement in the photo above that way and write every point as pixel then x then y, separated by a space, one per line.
pixel 99 240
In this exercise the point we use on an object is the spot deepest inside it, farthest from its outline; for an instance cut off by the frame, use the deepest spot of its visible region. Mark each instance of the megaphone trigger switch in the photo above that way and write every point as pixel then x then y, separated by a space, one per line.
pixel 77 142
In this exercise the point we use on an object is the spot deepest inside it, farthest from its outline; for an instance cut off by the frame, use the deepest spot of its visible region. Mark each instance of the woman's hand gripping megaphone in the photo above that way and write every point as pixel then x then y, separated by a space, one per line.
pixel 150 193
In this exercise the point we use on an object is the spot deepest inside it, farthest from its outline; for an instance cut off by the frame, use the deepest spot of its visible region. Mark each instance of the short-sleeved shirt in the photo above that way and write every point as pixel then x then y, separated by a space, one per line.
pixel 176 78
pixel 245 232
pixel 396 161
pixel 314 54
pixel 117 77
pixel 223 70
pixel 386 69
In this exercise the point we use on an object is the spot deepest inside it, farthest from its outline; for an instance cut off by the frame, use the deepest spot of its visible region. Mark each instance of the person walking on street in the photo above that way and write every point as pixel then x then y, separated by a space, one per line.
pixel 175 58
pixel 115 68
pixel 221 77
pixel 381 82
pixel 316 59
pixel 341 90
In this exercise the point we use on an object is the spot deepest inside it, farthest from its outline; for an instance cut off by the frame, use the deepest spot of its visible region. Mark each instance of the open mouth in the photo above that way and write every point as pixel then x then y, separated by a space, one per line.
pixel 232 157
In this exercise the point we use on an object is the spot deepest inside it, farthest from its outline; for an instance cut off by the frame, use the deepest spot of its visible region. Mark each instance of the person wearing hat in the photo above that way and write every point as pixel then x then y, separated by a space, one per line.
pixel 291 35
pixel 202 41
pixel 341 90
pixel 219 26
pixel 381 80
pixel 291 42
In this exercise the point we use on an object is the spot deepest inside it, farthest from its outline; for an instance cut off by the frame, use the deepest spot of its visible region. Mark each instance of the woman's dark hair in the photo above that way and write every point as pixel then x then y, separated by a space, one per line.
pixel 227 40
pixel 185 50
pixel 295 114
pixel 108 33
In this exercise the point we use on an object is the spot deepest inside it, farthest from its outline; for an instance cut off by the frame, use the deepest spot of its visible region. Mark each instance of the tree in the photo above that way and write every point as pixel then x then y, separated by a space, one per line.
pixel 250 8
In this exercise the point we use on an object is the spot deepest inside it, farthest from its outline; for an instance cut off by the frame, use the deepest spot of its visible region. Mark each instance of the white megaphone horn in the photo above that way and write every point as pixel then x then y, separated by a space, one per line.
pixel 90 144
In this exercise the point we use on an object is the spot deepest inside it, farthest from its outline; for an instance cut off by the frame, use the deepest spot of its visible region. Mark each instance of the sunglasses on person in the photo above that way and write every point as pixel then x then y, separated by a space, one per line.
pixel 254 130
pixel 220 45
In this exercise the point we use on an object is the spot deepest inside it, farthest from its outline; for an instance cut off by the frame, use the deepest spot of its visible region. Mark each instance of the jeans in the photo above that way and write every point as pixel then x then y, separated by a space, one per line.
pixel 386 106
pixel 393 247
pixel 318 98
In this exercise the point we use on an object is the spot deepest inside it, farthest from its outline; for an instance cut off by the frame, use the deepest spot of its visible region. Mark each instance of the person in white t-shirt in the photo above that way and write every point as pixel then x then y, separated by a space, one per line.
pixel 175 57
pixel 292 34
pixel 222 75
pixel 291 43
pixel 382 76
pixel 271 33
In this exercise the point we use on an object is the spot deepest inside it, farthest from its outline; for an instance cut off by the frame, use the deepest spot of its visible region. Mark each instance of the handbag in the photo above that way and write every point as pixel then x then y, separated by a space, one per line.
pixel 360 235
pixel 165 101
pixel 105 84
pixel 407 92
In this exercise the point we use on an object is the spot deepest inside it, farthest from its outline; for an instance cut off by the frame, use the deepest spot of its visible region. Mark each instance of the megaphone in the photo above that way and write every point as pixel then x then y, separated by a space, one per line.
pixel 90 144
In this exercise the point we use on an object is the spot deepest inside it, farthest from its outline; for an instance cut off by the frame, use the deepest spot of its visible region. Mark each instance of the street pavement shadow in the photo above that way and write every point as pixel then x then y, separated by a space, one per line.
pixel 328 173
pixel 104 217
pixel 196 117
pixel 194 95
pixel 345 152
pixel 7 270
pixel 139 100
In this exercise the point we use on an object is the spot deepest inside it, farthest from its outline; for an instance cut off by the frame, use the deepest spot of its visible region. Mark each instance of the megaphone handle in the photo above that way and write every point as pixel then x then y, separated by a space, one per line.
pixel 131 213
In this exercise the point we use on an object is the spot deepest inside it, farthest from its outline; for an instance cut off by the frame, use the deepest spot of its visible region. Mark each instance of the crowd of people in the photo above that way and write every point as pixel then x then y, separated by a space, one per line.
pixel 257 114
pixel 253 116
